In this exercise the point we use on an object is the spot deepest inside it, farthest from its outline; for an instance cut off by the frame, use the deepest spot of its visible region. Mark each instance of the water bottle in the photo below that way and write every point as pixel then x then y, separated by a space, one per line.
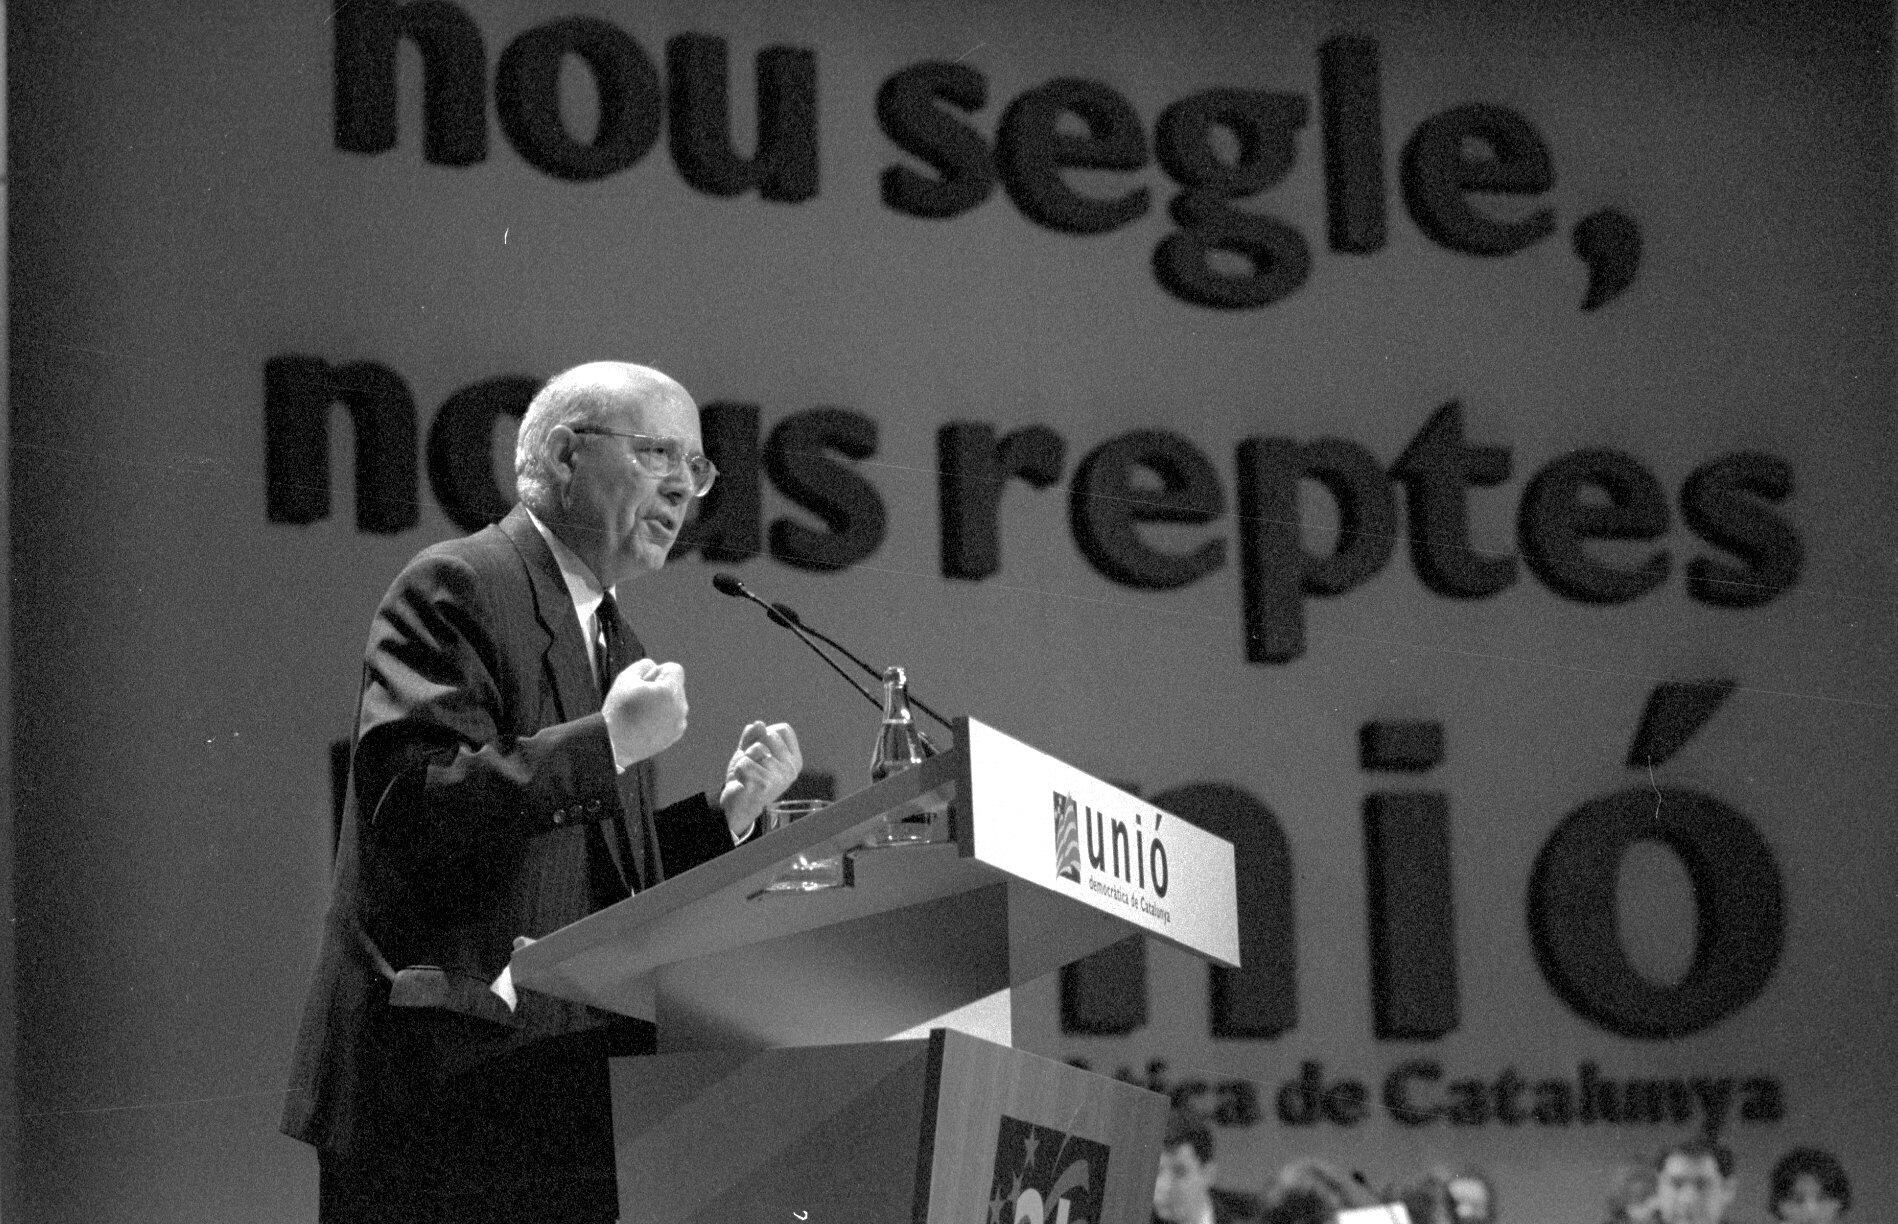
pixel 900 747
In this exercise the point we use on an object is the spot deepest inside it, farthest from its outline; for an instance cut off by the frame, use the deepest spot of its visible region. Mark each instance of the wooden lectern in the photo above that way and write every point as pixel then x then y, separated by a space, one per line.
pixel 843 1055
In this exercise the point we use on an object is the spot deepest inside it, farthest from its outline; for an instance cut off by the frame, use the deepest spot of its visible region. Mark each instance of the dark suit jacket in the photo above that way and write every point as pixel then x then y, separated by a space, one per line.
pixel 480 762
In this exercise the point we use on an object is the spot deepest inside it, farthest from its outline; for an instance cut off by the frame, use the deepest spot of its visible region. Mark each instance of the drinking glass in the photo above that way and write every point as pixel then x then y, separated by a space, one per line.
pixel 805 874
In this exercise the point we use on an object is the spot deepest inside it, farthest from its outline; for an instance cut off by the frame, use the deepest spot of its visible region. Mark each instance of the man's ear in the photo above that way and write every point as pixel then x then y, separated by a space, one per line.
pixel 561 445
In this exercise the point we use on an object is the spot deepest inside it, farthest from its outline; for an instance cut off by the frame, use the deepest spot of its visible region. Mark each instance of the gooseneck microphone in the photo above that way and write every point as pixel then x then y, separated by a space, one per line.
pixel 786 613
pixel 729 585
pixel 782 615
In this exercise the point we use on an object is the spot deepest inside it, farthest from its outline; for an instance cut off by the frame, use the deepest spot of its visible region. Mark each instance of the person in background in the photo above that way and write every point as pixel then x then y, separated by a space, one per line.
pixel 1183 1190
pixel 1696 1182
pixel 1300 1205
pixel 1426 1200
pixel 1304 1182
pixel 1810 1187
pixel 1472 1195
pixel 1635 1199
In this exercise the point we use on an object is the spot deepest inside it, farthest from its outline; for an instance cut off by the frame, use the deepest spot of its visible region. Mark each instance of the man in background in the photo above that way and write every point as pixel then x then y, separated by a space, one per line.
pixel 1695 1182
pixel 501 787
pixel 1634 1198
pixel 1183 1191
pixel 1472 1195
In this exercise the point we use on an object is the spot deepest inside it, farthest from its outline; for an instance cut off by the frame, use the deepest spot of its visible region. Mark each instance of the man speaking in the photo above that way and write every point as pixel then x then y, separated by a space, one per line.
pixel 501 787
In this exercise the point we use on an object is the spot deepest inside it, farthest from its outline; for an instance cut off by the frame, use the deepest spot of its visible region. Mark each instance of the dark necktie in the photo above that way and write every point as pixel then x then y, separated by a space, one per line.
pixel 609 652
pixel 609 644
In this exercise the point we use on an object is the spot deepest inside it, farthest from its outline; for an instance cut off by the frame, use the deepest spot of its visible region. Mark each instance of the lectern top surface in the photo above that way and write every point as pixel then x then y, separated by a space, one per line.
pixel 1018 816
pixel 722 904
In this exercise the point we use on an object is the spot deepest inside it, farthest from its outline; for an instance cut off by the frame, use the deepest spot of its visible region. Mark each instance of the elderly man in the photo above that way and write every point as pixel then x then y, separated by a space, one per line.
pixel 500 788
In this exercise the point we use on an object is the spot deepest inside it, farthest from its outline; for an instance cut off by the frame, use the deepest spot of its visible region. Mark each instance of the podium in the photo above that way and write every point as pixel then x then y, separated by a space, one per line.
pixel 845 1055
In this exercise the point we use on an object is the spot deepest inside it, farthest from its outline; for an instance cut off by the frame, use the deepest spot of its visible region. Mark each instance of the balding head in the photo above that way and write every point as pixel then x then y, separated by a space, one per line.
pixel 602 461
pixel 597 393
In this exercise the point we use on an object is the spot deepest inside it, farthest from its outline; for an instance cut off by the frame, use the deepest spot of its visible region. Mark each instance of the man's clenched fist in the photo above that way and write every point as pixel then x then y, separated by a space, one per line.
pixel 768 760
pixel 645 710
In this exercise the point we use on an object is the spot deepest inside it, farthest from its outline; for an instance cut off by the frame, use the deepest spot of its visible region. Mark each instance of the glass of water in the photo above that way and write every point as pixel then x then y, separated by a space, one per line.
pixel 805 874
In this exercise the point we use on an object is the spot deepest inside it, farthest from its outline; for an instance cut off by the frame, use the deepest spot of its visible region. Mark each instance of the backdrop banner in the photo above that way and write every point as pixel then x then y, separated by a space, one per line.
pixel 1444 450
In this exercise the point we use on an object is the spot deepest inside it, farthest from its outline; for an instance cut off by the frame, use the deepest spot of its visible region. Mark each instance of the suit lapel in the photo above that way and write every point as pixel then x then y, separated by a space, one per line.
pixel 634 649
pixel 570 674
pixel 564 659
pixel 637 787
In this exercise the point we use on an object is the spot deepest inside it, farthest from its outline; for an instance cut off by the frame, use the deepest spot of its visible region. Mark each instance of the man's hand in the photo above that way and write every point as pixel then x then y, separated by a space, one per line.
pixel 767 762
pixel 645 711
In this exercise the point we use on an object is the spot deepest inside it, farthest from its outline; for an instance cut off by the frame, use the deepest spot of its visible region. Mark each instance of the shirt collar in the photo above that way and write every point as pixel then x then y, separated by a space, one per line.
pixel 582 586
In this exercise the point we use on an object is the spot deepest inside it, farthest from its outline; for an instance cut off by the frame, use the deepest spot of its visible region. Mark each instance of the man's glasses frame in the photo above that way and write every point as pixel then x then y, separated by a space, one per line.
pixel 662 457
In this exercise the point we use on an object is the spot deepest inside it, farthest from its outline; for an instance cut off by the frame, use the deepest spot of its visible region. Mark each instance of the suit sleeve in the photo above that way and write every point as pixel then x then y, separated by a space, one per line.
pixel 691 831
pixel 437 769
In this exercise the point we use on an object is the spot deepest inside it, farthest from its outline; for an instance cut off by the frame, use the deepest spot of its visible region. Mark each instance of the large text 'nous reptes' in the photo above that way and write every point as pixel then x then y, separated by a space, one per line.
pixel 1147 509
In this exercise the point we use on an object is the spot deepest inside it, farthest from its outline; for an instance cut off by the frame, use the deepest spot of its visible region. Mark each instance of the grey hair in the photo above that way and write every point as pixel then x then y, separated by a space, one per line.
pixel 584 395
pixel 562 401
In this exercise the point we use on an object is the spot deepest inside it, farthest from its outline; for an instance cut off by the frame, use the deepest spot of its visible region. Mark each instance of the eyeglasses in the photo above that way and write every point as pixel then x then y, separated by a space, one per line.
pixel 663 457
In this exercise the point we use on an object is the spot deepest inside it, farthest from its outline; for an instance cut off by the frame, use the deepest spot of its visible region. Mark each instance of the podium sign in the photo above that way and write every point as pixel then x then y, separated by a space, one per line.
pixel 1047 864
pixel 1039 819
pixel 792 1079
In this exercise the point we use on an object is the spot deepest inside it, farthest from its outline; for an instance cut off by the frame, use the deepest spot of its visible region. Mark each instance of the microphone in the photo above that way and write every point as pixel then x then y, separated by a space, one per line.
pixel 787 615
pixel 782 615
pixel 729 585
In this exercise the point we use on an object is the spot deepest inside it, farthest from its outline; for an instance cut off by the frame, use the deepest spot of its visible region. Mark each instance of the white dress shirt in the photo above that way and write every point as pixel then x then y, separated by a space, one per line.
pixel 587 595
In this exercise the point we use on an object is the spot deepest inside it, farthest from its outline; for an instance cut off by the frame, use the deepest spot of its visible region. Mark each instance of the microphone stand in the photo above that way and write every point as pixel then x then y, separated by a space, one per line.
pixel 729 585
pixel 790 615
